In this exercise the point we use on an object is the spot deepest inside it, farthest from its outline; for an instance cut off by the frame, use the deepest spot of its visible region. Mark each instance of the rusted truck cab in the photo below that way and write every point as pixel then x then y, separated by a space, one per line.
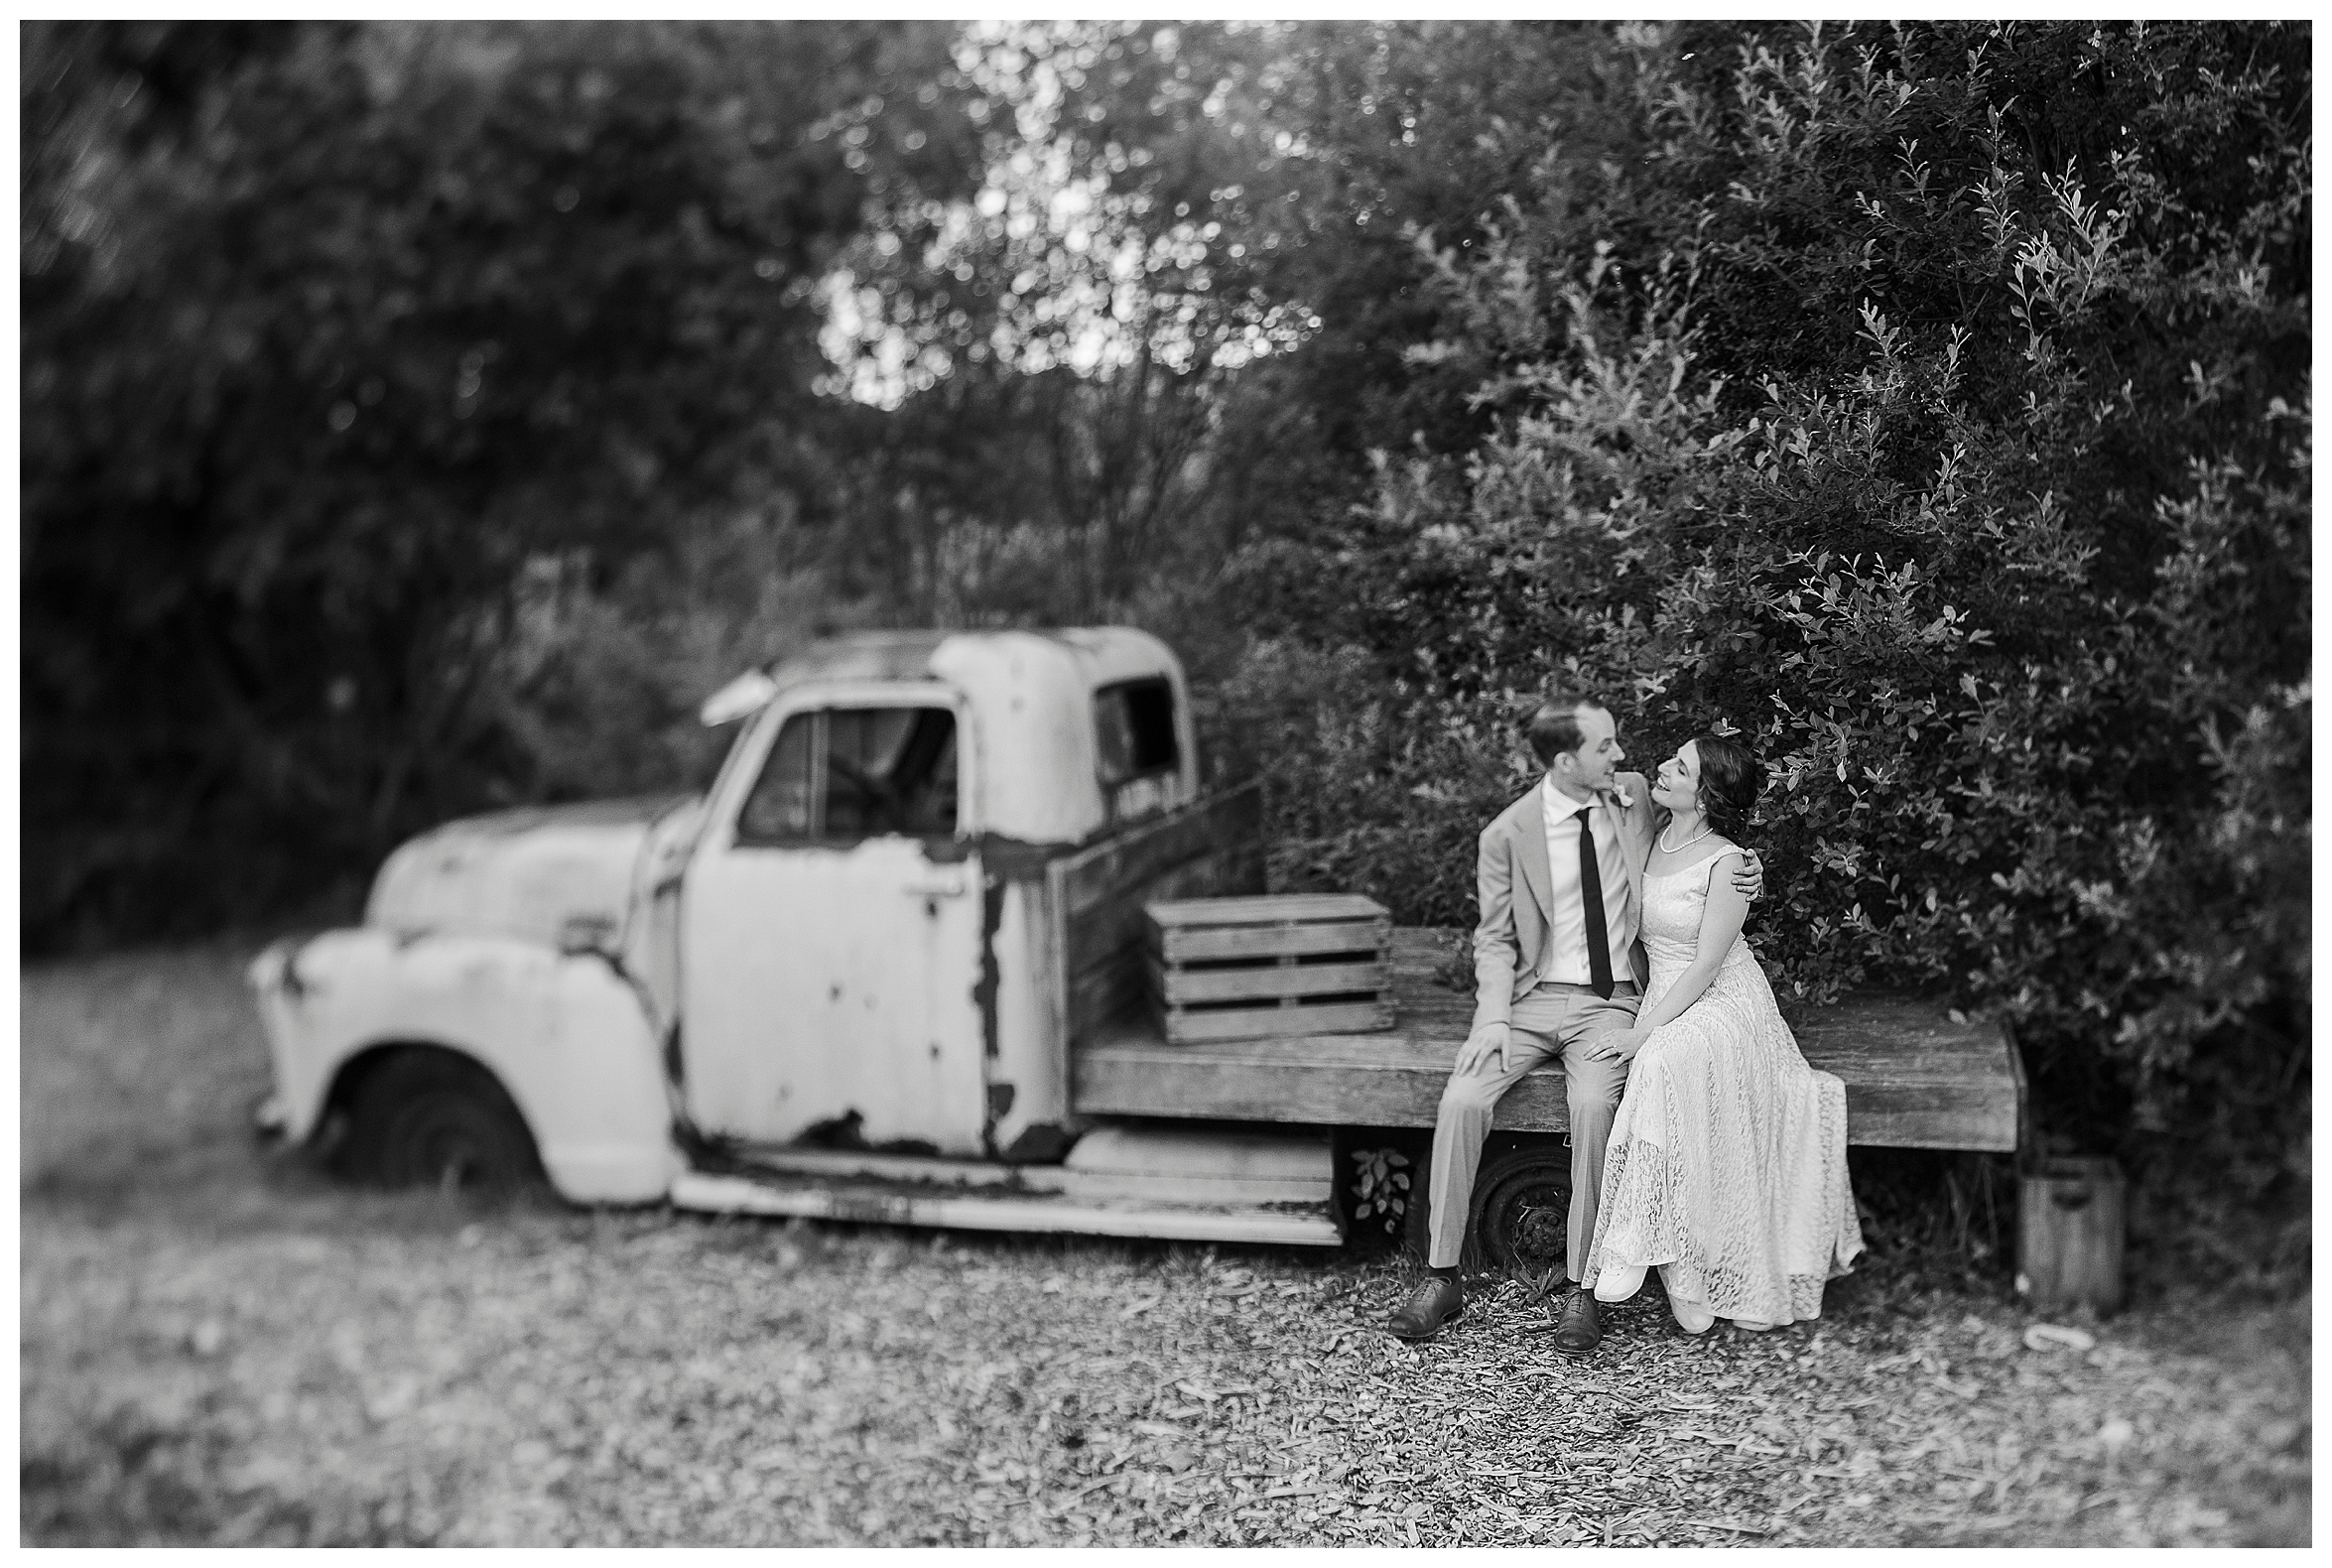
pixel 859 939
pixel 862 938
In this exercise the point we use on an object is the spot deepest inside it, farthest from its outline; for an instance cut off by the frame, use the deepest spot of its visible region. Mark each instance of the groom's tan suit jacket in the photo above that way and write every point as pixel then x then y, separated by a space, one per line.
pixel 1514 943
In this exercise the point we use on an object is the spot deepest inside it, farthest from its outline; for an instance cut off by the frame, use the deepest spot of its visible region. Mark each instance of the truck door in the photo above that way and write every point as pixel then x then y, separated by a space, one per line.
pixel 832 932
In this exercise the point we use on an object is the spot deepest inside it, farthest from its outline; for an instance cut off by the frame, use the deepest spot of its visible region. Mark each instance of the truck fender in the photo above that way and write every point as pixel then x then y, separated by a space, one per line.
pixel 566 1035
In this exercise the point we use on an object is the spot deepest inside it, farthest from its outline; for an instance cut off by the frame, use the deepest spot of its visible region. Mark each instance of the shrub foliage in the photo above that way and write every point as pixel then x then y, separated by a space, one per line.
pixel 1931 408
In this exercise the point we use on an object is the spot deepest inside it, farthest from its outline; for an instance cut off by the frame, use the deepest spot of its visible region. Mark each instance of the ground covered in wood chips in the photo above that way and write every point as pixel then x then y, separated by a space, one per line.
pixel 221 1347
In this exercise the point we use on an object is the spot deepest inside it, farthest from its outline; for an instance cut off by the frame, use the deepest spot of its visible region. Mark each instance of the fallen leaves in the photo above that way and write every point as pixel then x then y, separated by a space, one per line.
pixel 334 1367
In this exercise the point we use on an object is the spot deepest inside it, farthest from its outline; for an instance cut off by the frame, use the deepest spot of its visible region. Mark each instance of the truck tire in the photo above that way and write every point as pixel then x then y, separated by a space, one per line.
pixel 431 1119
pixel 1519 1219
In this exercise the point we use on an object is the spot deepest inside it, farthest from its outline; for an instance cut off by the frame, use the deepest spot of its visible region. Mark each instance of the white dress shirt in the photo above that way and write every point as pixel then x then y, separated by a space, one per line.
pixel 1569 923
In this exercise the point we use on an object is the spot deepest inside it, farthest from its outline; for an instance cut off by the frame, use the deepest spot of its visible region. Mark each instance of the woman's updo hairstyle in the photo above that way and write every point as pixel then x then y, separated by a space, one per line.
pixel 1732 779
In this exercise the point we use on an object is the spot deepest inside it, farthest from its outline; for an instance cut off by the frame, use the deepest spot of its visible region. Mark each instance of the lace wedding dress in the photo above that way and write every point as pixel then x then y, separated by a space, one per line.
pixel 1727 1164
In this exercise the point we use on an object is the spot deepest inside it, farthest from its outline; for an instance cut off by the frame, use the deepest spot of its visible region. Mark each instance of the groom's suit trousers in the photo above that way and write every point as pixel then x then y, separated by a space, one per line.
pixel 1554 1020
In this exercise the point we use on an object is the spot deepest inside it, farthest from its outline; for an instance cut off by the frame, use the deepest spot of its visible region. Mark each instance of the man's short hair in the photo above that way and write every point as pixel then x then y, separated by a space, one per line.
pixel 1553 726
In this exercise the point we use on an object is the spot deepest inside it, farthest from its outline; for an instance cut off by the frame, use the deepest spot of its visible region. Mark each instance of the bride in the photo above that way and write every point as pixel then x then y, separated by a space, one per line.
pixel 1726 1163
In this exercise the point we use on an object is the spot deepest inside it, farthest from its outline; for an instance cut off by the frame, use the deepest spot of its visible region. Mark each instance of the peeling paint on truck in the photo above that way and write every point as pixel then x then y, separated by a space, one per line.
pixel 565 1037
pixel 634 974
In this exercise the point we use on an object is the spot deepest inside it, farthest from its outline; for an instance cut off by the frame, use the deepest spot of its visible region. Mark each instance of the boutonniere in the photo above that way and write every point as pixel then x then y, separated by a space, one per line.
pixel 1618 795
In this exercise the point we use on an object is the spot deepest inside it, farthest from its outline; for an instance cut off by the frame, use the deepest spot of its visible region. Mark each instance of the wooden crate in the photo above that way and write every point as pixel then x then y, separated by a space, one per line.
pixel 1235 969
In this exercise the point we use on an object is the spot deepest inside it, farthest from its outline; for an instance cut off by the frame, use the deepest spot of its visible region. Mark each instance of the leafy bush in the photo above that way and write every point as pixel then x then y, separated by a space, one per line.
pixel 1961 466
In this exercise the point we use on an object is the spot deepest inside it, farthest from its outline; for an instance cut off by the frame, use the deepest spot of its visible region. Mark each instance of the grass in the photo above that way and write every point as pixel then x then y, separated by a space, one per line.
pixel 221 1347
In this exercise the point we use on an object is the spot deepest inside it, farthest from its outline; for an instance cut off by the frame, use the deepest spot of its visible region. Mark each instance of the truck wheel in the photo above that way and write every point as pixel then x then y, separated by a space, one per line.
pixel 429 1118
pixel 1521 1210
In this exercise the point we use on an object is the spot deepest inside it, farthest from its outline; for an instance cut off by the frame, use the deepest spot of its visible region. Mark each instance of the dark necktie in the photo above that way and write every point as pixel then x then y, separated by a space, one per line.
pixel 1590 893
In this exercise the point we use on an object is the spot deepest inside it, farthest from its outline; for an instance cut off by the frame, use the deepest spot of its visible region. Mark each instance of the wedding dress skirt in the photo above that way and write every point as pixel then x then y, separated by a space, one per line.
pixel 1726 1163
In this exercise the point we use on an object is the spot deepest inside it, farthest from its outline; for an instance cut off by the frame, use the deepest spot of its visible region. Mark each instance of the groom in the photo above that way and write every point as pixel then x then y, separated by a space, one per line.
pixel 1557 964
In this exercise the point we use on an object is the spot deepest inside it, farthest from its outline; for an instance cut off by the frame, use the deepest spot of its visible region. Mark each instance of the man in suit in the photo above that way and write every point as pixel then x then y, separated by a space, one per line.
pixel 1557 964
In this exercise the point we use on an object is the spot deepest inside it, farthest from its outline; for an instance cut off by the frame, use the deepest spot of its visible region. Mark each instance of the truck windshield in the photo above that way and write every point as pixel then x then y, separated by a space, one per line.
pixel 842 774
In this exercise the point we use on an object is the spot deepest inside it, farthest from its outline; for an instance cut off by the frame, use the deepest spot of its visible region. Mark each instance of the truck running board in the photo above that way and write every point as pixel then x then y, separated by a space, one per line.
pixel 1173 1184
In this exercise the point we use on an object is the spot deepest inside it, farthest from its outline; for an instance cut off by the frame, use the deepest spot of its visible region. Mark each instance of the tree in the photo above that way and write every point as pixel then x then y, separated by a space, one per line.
pixel 1159 343
pixel 329 332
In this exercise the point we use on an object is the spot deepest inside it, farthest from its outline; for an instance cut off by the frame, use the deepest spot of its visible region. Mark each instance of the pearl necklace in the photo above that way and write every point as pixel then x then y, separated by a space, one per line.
pixel 1677 849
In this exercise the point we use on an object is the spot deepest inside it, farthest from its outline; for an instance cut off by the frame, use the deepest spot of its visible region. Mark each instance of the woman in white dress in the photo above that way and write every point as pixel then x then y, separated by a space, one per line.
pixel 1727 1164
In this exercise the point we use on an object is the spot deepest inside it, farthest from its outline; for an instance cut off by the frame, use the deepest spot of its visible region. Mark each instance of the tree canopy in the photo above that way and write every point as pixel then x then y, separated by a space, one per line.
pixel 333 335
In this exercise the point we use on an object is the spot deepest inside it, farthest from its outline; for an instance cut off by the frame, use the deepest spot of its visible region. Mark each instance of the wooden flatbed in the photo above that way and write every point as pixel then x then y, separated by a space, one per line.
pixel 1914 1079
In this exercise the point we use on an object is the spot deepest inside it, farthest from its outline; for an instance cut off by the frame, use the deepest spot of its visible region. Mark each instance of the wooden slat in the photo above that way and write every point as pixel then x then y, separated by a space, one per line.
pixel 1094 897
pixel 777 1162
pixel 1243 1023
pixel 1263 941
pixel 1300 1225
pixel 1105 994
pixel 1359 1080
pixel 1914 1078
pixel 1131 859
pixel 1113 980
pixel 1267 980
pixel 1269 910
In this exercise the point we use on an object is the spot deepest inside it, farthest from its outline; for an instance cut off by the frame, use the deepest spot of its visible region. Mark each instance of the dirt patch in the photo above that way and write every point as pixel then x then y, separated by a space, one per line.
pixel 218 1349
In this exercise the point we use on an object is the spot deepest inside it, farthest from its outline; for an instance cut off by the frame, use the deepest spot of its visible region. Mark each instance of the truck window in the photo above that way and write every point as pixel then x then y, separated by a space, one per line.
pixel 842 774
pixel 1135 722
pixel 782 807
pixel 1138 753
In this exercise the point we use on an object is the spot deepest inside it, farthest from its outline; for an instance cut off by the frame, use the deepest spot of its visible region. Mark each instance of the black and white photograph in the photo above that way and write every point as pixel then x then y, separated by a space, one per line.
pixel 1227 782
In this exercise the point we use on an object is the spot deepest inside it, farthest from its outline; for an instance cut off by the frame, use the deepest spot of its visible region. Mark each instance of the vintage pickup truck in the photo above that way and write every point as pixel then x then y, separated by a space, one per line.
pixel 890 968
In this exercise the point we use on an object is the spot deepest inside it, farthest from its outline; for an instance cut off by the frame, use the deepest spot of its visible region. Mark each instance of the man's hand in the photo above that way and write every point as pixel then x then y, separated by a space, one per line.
pixel 1620 1045
pixel 1748 878
pixel 1484 1047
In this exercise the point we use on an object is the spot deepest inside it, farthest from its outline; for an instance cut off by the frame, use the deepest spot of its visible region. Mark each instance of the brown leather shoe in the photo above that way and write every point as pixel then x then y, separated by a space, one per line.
pixel 1434 1302
pixel 1579 1327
